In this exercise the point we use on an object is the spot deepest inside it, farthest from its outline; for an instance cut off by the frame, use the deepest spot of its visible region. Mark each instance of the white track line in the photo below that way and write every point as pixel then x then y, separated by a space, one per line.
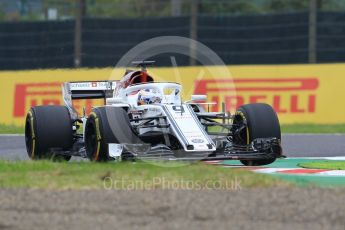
pixel 337 158
pixel 271 170
pixel 333 173
pixel 313 134
pixel 11 135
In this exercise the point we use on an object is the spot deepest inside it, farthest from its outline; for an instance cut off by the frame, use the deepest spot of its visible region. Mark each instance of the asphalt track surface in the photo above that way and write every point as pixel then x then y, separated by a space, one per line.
pixel 12 147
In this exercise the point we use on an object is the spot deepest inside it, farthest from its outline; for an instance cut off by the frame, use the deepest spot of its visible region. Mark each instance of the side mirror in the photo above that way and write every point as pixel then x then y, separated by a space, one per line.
pixel 197 97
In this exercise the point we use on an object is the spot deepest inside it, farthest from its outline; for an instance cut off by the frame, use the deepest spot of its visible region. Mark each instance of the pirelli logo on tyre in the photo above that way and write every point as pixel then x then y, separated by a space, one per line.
pixel 287 96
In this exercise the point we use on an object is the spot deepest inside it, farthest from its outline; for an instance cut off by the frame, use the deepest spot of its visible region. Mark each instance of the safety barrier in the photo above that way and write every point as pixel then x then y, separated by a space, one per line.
pixel 298 93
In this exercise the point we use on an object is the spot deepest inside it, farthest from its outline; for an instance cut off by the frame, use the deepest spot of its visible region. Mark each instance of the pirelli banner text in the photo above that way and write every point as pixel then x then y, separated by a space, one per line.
pixel 298 93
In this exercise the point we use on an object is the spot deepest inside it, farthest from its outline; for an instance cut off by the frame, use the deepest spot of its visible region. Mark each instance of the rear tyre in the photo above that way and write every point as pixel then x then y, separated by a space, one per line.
pixel 48 127
pixel 261 122
pixel 107 125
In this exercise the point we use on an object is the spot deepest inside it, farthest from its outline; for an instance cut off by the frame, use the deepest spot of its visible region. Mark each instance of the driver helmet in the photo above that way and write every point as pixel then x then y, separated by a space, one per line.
pixel 149 96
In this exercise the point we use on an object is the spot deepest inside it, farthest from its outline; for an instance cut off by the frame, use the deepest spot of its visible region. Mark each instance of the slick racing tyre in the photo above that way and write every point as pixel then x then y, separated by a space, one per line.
pixel 261 122
pixel 107 125
pixel 47 128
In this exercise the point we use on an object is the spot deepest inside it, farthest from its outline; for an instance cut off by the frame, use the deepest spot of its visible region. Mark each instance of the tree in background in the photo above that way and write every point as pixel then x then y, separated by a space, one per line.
pixel 229 7
pixel 287 5
pixel 128 8
pixel 156 8
pixel 147 8
pixel 302 5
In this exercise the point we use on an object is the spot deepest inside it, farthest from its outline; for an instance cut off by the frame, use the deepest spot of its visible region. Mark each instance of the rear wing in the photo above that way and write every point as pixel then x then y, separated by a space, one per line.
pixel 86 90
pixel 90 90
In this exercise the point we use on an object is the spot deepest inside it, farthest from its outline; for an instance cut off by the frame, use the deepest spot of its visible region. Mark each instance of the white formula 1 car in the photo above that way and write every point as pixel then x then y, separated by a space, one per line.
pixel 145 119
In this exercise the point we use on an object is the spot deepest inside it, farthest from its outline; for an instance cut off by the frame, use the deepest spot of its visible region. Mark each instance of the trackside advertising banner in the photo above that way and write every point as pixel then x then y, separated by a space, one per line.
pixel 298 93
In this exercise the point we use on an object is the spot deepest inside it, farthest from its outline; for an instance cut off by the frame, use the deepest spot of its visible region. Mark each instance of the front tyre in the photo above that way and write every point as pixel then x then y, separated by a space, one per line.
pixel 107 125
pixel 260 121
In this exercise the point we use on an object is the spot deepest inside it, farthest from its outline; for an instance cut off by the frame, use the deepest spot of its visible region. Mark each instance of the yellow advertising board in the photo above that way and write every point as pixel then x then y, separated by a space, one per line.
pixel 298 93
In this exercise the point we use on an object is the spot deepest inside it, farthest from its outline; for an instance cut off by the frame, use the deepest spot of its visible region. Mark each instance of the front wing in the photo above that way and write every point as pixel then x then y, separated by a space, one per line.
pixel 259 149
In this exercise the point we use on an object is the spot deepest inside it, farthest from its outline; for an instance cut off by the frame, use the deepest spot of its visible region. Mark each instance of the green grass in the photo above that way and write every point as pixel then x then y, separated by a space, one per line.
pixel 331 165
pixel 313 128
pixel 302 128
pixel 127 175
pixel 11 129
pixel 293 128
